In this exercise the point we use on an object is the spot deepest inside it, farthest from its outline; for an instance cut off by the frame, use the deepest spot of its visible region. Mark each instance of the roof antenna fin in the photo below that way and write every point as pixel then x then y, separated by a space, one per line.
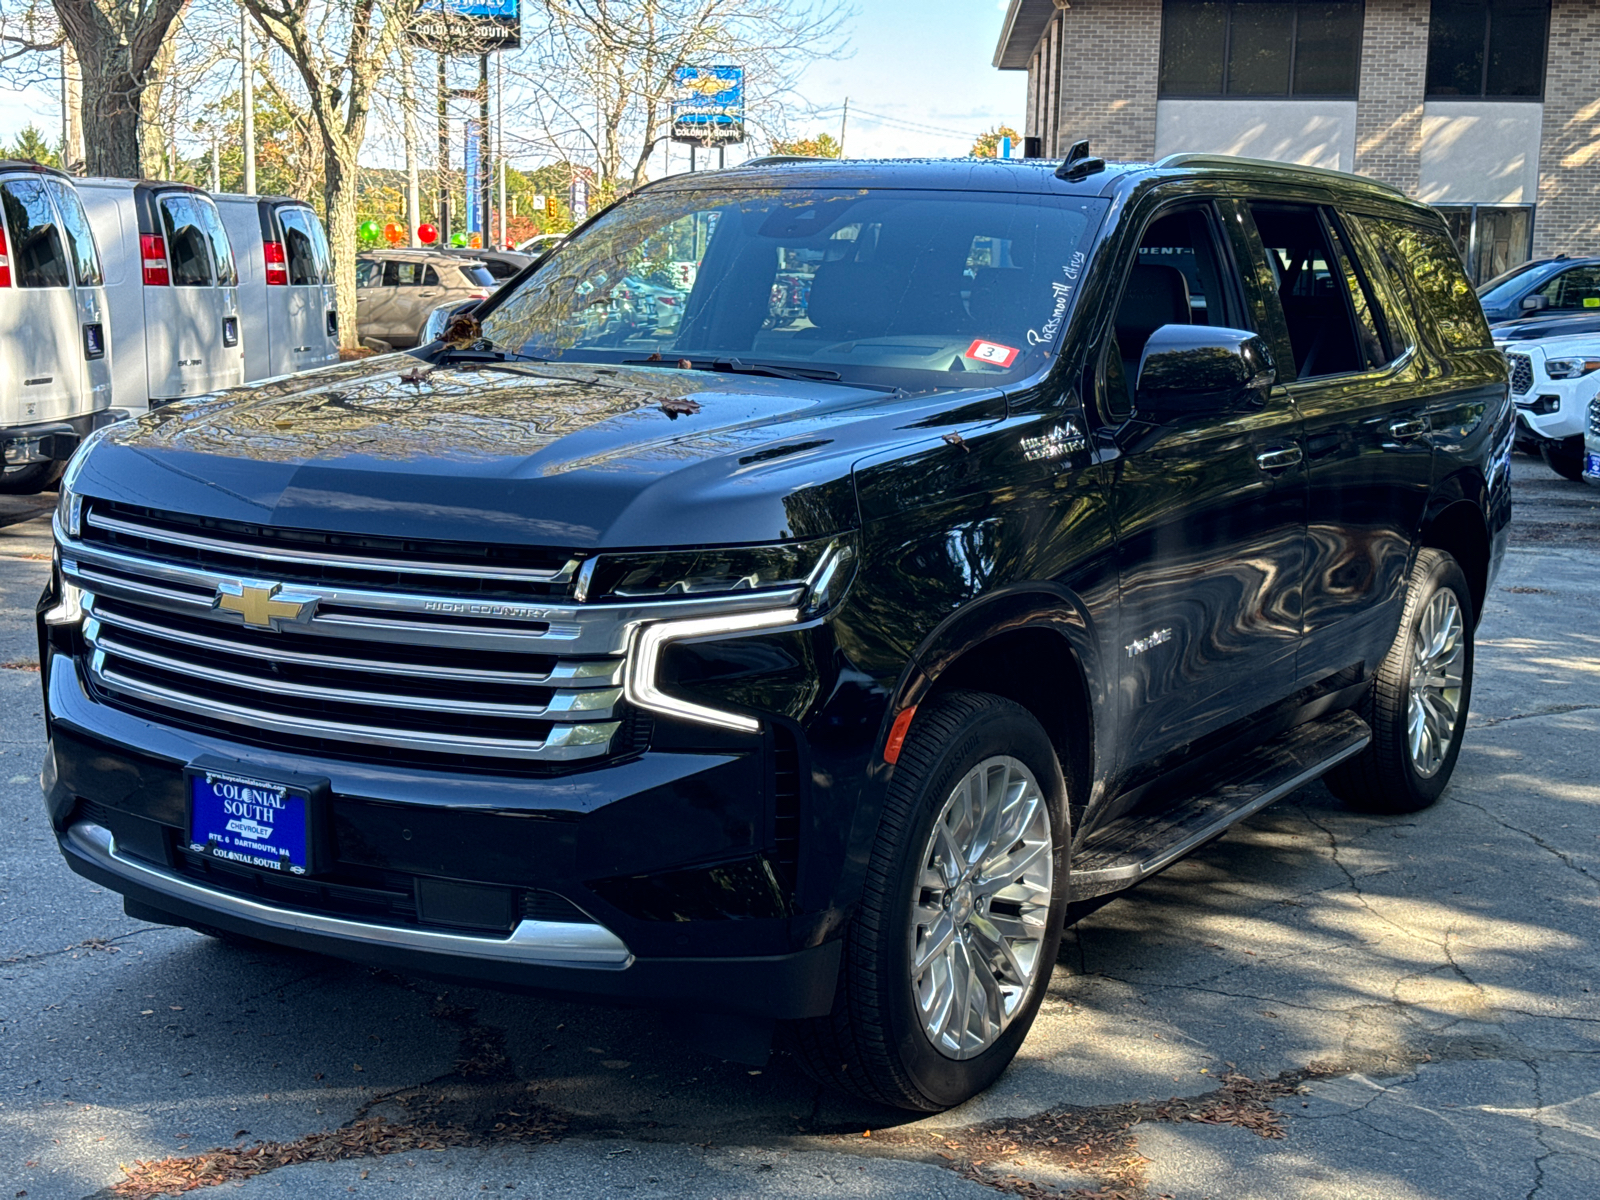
pixel 1078 163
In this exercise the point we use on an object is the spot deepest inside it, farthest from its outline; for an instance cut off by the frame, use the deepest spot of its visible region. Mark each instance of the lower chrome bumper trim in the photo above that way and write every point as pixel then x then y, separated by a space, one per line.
pixel 548 943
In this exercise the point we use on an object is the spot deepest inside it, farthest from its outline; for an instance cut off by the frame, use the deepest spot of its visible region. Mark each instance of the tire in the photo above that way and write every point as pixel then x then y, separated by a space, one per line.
pixel 1390 776
pixel 31 479
pixel 875 1043
pixel 1565 458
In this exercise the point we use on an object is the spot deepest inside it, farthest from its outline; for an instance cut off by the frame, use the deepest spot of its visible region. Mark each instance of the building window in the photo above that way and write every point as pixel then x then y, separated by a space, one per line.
pixel 1492 239
pixel 1487 48
pixel 1261 48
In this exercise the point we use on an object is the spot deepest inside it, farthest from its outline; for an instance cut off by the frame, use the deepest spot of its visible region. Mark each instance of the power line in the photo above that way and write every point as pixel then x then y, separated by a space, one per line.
pixel 900 122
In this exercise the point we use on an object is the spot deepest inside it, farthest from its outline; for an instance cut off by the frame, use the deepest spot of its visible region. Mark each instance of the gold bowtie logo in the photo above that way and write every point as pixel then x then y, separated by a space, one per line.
pixel 264 605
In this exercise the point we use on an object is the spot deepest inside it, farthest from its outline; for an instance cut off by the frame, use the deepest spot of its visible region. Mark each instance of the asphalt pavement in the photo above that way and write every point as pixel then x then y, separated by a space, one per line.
pixel 1320 1005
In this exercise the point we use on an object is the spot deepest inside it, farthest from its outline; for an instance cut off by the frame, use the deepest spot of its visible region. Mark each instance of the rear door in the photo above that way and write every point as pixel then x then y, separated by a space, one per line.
pixel 93 322
pixel 1350 363
pixel 39 311
pixel 181 320
pixel 226 369
pixel 301 325
pixel 376 281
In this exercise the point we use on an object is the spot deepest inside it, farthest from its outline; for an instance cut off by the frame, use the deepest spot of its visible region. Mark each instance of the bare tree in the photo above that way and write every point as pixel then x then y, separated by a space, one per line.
pixel 340 48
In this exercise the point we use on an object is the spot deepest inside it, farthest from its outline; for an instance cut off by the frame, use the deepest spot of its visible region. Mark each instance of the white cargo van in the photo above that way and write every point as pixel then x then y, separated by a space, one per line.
pixel 55 366
pixel 286 296
pixel 172 289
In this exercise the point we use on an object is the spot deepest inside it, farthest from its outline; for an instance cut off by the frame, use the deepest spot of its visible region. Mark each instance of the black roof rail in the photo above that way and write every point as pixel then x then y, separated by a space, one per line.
pixel 1232 160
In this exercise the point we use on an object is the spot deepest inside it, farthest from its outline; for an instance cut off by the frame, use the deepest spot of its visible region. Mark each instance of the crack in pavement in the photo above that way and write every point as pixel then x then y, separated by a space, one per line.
pixel 1554 710
pixel 91 945
pixel 1532 837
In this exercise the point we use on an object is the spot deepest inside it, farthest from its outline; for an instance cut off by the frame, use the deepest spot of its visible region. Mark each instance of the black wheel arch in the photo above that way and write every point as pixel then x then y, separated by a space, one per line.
pixel 1455 523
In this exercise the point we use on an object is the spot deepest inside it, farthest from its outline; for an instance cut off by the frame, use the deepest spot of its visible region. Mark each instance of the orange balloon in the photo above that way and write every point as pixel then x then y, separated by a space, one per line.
pixel 394 233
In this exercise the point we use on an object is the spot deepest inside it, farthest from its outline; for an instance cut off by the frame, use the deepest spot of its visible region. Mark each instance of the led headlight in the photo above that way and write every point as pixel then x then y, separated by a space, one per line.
pixel 1570 368
pixel 823 568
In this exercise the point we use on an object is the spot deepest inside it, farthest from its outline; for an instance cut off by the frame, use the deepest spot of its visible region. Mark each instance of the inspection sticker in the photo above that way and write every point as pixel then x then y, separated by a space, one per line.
pixel 993 353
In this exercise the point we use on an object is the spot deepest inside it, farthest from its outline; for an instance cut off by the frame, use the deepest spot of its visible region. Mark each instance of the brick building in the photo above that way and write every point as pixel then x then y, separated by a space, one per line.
pixel 1487 109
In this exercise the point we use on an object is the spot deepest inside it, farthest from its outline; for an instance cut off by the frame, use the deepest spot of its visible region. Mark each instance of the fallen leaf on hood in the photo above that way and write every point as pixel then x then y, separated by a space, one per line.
pixel 676 406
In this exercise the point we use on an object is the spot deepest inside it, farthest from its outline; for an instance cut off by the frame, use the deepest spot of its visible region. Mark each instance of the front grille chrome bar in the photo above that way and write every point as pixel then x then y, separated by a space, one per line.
pixel 265 551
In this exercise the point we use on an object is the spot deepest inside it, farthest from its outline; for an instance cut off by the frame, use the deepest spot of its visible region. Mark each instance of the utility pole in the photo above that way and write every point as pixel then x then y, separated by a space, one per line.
pixel 843 117
pixel 216 165
pixel 408 105
pixel 444 155
pixel 247 101
pixel 500 142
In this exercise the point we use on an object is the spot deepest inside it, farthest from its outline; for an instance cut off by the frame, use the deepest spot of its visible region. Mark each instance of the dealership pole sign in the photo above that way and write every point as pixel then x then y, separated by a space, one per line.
pixel 468 26
pixel 708 105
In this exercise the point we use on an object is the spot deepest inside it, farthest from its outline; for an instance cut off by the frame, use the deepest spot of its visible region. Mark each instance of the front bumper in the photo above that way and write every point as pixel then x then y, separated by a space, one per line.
pixel 674 828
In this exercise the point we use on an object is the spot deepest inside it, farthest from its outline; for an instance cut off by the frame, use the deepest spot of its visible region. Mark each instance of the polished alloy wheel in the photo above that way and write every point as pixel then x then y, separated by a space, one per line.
pixel 980 911
pixel 1438 660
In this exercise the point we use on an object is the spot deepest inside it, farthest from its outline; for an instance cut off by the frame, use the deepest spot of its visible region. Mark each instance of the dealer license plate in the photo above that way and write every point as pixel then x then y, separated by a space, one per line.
pixel 1591 465
pixel 256 822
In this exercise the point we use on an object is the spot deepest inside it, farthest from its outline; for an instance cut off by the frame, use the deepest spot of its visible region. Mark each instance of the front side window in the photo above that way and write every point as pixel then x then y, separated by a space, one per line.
pixel 369 274
pixel 189 255
pixel 38 258
pixel 1573 290
pixel 1258 48
pixel 904 287
pixel 80 240
pixel 1487 48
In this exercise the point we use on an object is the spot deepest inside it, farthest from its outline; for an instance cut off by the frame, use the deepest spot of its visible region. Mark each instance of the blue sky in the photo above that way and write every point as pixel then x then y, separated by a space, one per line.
pixel 918 78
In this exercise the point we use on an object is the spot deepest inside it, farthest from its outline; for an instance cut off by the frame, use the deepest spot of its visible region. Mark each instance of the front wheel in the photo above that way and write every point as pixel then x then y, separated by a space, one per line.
pixel 951 947
pixel 1418 704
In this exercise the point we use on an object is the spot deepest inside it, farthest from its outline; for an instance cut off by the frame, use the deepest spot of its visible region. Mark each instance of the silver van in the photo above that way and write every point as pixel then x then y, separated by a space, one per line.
pixel 286 297
pixel 55 361
pixel 172 287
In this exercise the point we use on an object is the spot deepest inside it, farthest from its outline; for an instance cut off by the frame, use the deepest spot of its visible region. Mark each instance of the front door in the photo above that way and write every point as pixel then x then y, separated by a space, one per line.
pixel 1209 509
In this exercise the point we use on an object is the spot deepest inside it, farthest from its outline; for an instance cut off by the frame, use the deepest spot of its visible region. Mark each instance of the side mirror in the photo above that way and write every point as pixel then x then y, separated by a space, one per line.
pixel 1535 303
pixel 1202 368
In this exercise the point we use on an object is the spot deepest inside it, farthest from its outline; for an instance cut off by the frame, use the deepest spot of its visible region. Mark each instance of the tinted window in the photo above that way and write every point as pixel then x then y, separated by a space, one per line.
pixel 1449 304
pixel 478 275
pixel 80 241
pixel 430 277
pixel 299 249
pixel 38 259
pixel 1252 48
pixel 189 253
pixel 319 242
pixel 221 247
pixel 1328 315
pixel 1504 288
pixel 1487 47
pixel 368 273
pixel 880 285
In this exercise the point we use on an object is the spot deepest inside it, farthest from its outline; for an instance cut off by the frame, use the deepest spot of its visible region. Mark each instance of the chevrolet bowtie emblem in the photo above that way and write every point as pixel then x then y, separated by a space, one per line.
pixel 264 605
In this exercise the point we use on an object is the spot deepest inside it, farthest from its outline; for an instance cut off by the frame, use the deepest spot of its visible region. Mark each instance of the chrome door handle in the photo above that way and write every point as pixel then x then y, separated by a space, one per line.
pixel 1278 460
pixel 1405 430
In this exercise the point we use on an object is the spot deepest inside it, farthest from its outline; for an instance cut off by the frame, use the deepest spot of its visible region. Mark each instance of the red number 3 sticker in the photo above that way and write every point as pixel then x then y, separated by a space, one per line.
pixel 992 353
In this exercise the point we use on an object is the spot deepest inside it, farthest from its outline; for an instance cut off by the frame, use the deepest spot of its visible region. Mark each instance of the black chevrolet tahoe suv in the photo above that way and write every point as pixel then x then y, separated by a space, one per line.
pixel 974 537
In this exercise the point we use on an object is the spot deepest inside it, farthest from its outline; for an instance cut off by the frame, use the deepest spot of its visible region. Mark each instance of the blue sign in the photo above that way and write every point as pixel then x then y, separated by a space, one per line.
pixel 249 821
pixel 472 168
pixel 708 105
pixel 475 26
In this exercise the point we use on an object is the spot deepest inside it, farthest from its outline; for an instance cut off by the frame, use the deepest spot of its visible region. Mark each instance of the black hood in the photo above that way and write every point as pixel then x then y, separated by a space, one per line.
pixel 1553 325
pixel 575 456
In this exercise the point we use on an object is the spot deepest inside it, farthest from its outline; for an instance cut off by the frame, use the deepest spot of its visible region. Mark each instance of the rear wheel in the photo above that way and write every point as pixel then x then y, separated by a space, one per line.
pixel 1418 704
pixel 952 945
pixel 1565 457
pixel 30 479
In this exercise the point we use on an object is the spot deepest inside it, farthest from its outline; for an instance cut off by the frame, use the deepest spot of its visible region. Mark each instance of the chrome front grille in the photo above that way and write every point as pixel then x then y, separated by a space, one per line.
pixel 1594 417
pixel 1521 373
pixel 377 658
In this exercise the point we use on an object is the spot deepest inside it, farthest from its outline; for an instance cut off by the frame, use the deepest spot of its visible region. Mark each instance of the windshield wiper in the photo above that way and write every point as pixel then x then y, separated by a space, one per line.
pixel 738 366
pixel 480 353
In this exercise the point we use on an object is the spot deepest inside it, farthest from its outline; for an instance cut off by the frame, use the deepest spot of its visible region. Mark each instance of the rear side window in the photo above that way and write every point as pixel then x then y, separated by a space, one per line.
pixel 369 274
pixel 1436 275
pixel 299 248
pixel 403 274
pixel 189 254
pixel 1329 315
pixel 430 278
pixel 221 247
pixel 80 241
pixel 38 259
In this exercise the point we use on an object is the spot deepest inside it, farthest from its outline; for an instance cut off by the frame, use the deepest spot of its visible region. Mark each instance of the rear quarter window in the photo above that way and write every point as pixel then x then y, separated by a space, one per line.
pixel 1438 282
pixel 478 275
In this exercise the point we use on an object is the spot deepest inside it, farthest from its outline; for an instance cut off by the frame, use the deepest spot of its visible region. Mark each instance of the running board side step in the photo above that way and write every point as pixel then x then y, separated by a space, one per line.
pixel 1143 842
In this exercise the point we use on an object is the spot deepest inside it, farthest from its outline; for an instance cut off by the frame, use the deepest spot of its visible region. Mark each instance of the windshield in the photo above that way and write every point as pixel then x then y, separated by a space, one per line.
pixel 908 288
pixel 1505 288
